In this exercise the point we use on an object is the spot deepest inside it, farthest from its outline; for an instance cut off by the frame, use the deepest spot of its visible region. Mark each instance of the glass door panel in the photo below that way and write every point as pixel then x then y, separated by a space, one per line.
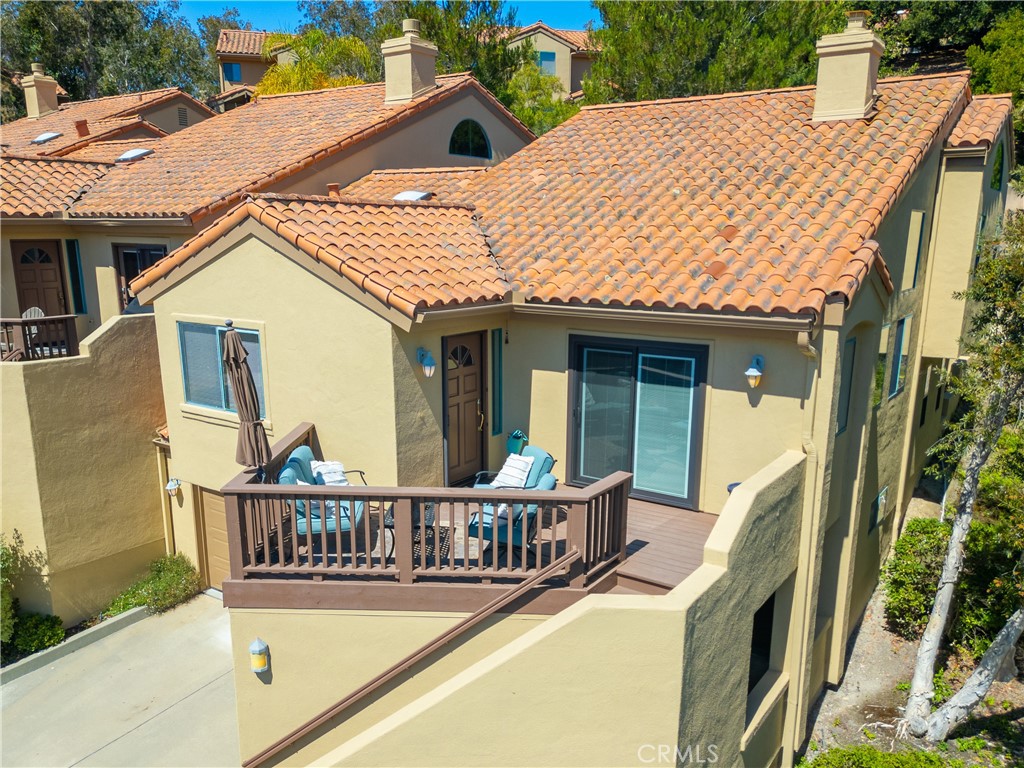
pixel 664 416
pixel 605 403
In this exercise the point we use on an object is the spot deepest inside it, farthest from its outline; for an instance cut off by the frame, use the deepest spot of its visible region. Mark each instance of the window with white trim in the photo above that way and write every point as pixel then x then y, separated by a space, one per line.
pixel 204 374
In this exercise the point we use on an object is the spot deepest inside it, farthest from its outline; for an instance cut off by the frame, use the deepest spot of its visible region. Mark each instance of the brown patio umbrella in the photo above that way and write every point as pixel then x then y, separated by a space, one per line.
pixel 253 448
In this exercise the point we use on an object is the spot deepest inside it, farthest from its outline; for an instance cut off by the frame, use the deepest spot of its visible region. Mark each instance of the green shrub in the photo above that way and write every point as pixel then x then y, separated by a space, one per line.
pixel 171 580
pixel 8 558
pixel 911 576
pixel 36 631
pixel 869 757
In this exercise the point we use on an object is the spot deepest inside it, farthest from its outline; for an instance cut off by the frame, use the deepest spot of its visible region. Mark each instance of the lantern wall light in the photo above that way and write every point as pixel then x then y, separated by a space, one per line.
pixel 172 487
pixel 259 656
pixel 424 358
pixel 755 372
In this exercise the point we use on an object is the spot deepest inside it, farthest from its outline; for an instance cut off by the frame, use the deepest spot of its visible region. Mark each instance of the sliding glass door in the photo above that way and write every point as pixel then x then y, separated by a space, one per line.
pixel 637 408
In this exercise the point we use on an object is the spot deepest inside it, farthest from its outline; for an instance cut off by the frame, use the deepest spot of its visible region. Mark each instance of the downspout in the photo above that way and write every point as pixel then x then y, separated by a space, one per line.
pixel 801 638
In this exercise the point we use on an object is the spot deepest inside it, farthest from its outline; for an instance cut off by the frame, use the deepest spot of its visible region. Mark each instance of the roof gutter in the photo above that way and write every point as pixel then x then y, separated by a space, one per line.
pixel 473 310
pixel 109 221
pixel 718 320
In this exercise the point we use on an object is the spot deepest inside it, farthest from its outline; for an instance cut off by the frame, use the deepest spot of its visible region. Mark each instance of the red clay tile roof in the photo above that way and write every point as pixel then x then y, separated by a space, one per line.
pixel 216 162
pixel 109 151
pixel 241 42
pixel 410 256
pixel 982 121
pixel 107 116
pixel 444 184
pixel 577 39
pixel 41 186
pixel 731 203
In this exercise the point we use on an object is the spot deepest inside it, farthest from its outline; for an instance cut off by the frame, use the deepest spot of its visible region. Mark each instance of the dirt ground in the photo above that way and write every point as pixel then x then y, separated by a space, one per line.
pixel 866 706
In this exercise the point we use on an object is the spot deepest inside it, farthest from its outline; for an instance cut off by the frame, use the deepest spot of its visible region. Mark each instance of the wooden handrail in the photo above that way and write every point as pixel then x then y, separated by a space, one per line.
pixel 413 658
pixel 38 338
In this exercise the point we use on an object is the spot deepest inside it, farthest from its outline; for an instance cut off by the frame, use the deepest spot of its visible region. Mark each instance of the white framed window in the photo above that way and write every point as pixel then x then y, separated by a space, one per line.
pixel 204 375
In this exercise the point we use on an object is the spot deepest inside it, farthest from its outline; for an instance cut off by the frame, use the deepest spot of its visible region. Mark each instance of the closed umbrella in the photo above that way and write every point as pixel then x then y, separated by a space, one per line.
pixel 253 448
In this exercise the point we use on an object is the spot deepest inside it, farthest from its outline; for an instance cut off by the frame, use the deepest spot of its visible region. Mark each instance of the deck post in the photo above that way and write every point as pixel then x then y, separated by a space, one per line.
pixel 577 534
pixel 403 539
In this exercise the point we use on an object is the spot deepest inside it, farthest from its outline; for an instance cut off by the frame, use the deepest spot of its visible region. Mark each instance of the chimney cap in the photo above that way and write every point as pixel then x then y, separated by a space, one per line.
pixel 411 27
pixel 37 68
pixel 857 19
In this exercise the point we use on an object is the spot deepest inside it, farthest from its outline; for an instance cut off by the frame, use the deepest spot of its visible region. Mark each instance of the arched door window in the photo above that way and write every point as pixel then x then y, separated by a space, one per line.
pixel 459 358
pixel 469 139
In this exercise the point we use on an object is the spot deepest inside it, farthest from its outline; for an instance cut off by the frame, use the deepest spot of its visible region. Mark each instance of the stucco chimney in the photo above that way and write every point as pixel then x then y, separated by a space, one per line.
pixel 40 92
pixel 847 71
pixel 409 64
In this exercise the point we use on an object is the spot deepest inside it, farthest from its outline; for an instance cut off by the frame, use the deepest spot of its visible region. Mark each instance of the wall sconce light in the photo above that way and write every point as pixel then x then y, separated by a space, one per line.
pixel 424 358
pixel 755 372
pixel 259 656
pixel 172 487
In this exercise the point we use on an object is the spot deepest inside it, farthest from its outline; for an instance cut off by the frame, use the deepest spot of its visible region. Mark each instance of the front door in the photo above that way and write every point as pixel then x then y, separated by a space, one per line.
pixel 464 430
pixel 38 275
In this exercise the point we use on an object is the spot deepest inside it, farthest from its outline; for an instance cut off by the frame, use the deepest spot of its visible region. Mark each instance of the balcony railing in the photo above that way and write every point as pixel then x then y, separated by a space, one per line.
pixel 411 535
pixel 38 338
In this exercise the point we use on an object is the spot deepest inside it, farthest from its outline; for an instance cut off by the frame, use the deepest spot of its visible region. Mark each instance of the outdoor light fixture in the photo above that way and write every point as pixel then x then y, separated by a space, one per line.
pixel 172 487
pixel 259 656
pixel 424 358
pixel 755 372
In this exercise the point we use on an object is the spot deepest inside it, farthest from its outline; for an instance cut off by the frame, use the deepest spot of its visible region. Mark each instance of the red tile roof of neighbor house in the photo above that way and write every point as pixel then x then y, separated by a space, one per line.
pixel 445 184
pixel 982 122
pixel 33 187
pixel 731 203
pixel 241 42
pixel 107 117
pixel 109 151
pixel 215 163
pixel 410 255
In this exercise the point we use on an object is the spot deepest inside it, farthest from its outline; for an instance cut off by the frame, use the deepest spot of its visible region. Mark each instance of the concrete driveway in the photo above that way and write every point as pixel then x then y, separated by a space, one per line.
pixel 158 693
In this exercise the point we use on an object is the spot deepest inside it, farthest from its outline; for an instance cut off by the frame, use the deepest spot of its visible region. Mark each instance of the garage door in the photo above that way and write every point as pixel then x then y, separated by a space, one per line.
pixel 215 537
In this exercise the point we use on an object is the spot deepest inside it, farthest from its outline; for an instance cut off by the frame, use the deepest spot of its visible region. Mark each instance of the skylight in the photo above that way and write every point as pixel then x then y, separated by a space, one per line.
pixel 134 154
pixel 42 138
pixel 412 194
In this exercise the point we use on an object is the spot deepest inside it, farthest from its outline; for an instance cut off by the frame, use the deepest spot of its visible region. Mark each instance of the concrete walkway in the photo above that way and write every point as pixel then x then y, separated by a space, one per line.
pixel 159 693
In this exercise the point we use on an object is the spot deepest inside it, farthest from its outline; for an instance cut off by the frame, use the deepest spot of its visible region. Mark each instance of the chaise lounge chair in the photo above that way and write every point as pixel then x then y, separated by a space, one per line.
pixel 298 467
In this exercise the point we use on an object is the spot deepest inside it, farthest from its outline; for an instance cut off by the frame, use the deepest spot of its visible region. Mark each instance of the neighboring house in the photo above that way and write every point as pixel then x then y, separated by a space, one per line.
pixel 75 234
pixel 241 62
pixel 231 98
pixel 742 301
pixel 567 53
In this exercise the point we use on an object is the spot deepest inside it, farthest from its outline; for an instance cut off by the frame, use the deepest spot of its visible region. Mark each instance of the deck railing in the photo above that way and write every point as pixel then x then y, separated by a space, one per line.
pixel 418 534
pixel 38 338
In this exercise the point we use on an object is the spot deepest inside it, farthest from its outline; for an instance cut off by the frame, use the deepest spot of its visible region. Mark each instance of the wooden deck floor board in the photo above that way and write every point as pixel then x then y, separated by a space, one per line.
pixel 664 544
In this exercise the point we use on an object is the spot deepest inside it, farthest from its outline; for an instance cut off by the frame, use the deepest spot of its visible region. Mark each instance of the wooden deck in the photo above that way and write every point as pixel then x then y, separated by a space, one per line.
pixel 664 546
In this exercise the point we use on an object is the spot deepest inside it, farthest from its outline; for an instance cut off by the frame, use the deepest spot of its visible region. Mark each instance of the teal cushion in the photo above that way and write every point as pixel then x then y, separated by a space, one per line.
pixel 542 464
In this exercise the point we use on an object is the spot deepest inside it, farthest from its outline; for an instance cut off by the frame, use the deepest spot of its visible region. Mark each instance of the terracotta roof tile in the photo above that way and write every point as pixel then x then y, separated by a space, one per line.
pixel 410 256
pixel 106 117
pixel 444 184
pixel 109 151
pixel 982 121
pixel 215 162
pixel 720 203
pixel 42 186
pixel 241 42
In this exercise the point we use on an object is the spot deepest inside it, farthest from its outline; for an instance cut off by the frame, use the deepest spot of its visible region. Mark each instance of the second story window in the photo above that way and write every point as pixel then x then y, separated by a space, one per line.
pixel 232 72
pixel 900 357
pixel 546 62
pixel 202 365
pixel 469 139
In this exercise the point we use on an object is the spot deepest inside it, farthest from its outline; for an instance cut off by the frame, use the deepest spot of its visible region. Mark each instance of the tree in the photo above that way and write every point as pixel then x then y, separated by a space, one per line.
pixel 539 99
pixel 345 18
pixel 471 35
pixel 992 383
pixel 315 61
pixel 931 25
pixel 652 50
pixel 209 33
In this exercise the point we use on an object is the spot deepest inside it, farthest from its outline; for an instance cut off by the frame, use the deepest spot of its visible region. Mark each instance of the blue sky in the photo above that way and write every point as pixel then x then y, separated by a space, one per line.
pixel 284 14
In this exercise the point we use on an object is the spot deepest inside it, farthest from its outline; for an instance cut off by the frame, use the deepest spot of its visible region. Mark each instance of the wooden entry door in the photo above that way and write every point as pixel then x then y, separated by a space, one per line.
pixel 464 369
pixel 214 526
pixel 39 276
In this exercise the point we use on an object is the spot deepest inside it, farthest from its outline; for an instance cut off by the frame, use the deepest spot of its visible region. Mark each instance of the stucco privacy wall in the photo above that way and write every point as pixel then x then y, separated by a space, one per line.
pixel 743 429
pixel 326 359
pixel 87 424
pixel 651 652
pixel 319 657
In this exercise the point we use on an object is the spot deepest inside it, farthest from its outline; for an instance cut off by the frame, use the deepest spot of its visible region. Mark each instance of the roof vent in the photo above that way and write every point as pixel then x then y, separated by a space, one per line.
pixel 411 195
pixel 134 154
pixel 82 127
pixel 42 138
pixel 847 71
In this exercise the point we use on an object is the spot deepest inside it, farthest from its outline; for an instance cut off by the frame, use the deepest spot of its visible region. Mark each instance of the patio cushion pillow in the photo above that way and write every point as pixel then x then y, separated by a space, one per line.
pixel 515 472
pixel 329 472
pixel 315 503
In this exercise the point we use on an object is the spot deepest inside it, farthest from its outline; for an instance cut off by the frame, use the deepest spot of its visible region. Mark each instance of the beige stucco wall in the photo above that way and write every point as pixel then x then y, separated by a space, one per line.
pixel 165 116
pixel 85 424
pixel 581 66
pixel 252 71
pixel 672 678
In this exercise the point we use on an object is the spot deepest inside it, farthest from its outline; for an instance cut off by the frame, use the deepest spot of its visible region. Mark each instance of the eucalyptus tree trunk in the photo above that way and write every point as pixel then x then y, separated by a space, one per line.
pixel 987 427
